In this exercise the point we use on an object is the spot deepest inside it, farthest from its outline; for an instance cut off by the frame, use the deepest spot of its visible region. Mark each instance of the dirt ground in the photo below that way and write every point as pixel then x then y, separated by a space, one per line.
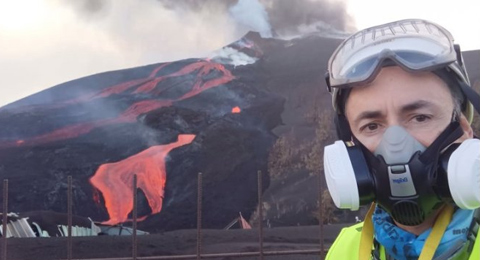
pixel 176 243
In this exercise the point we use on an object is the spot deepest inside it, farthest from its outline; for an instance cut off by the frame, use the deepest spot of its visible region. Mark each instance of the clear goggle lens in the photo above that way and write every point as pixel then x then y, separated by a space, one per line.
pixel 412 44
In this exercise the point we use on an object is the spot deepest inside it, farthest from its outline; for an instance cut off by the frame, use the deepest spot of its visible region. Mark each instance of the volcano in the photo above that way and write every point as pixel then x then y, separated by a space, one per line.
pixel 165 123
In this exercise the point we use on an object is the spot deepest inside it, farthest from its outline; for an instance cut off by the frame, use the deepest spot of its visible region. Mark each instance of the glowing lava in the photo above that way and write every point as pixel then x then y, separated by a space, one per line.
pixel 236 110
pixel 115 180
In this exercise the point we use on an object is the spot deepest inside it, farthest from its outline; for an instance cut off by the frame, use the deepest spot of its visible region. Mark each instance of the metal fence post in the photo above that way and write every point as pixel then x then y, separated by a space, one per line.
pixel 321 215
pixel 5 219
pixel 199 216
pixel 134 218
pixel 260 214
pixel 69 218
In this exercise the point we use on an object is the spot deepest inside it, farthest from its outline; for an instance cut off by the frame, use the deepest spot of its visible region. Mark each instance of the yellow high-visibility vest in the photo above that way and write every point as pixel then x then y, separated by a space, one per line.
pixel 348 241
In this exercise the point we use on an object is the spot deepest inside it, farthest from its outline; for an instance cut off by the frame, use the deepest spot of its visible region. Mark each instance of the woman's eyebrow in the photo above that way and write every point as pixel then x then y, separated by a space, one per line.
pixel 415 105
pixel 372 114
pixel 367 115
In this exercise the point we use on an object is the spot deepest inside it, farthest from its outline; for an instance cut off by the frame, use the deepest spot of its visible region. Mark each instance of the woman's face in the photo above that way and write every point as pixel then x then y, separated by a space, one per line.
pixel 421 103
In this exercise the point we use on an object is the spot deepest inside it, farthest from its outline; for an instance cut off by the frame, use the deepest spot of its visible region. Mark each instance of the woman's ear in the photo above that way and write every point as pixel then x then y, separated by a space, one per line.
pixel 467 128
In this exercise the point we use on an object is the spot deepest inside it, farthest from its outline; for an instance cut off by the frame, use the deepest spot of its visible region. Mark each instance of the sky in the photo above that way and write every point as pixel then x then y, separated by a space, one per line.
pixel 460 17
pixel 47 42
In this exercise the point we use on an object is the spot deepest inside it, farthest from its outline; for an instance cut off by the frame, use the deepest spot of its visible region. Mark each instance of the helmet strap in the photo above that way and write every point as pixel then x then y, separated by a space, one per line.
pixel 458 51
pixel 343 128
pixel 472 96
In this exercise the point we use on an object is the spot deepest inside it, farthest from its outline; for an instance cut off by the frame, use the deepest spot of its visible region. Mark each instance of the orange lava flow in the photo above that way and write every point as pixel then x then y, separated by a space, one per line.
pixel 201 68
pixel 236 110
pixel 122 87
pixel 115 180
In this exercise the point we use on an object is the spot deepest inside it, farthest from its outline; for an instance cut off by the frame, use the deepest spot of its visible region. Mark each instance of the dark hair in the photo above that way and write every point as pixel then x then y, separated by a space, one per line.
pixel 452 81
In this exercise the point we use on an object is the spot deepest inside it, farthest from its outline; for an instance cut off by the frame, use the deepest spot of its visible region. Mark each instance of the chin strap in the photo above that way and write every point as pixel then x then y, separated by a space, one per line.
pixel 431 244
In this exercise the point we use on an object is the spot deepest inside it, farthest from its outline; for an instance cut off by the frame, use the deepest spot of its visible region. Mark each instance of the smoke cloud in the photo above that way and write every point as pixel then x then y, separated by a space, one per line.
pixel 282 17
pixel 88 7
pixel 296 17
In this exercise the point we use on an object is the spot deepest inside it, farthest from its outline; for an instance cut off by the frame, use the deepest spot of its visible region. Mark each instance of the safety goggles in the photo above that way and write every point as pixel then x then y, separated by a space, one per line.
pixel 415 45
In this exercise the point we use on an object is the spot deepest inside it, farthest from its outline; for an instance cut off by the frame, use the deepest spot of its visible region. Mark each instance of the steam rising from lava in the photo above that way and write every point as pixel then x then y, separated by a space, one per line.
pixel 252 15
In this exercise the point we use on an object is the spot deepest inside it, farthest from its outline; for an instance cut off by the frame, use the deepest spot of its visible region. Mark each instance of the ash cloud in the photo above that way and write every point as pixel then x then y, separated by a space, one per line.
pixel 284 17
pixel 268 17
pixel 87 8
pixel 195 5
pixel 290 17
pixel 280 17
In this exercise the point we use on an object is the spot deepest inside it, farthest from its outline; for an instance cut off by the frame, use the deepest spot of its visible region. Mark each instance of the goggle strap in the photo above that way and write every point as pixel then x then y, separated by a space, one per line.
pixel 472 96
pixel 459 54
pixel 327 80
pixel 343 128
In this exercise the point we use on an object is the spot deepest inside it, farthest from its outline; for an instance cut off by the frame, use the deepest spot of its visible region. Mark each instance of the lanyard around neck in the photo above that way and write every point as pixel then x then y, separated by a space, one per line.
pixel 430 246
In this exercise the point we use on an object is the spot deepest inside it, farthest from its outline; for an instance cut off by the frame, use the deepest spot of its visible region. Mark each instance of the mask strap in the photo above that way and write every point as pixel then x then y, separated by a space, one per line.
pixel 448 136
pixel 430 246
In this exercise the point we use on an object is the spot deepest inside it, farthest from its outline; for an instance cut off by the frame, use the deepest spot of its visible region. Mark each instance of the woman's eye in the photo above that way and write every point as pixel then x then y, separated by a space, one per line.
pixel 370 127
pixel 421 118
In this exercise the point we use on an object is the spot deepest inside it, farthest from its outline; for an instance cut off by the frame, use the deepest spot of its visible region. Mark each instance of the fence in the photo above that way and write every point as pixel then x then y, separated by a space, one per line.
pixel 199 255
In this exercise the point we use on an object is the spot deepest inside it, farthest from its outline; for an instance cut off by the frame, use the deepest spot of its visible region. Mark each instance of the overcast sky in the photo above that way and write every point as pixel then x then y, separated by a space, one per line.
pixel 46 42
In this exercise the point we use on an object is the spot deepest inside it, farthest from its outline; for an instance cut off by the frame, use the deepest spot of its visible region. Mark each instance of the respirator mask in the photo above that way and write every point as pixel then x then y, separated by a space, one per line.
pixel 402 176
pixel 405 178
